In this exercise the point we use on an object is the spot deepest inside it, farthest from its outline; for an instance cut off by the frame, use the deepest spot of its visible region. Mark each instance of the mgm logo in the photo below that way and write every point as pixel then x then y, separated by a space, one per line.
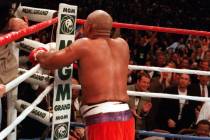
pixel 61 131
pixel 67 24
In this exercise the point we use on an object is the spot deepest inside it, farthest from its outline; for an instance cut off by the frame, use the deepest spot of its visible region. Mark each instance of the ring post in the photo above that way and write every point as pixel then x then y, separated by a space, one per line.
pixel 62 89
pixel 4 133
pixel 11 99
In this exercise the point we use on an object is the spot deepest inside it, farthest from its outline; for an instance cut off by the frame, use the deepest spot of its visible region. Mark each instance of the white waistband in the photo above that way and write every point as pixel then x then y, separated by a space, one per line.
pixel 87 110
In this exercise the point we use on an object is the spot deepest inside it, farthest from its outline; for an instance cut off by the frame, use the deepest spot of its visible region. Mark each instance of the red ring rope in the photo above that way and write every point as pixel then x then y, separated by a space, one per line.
pixel 5 39
pixel 155 28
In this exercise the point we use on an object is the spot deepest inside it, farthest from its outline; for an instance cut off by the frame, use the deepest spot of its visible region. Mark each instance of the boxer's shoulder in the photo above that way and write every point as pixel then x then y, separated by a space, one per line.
pixel 120 40
pixel 82 41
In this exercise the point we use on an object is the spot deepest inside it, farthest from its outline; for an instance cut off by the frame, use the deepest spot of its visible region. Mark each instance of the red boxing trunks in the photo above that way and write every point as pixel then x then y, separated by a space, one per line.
pixel 119 130
pixel 108 125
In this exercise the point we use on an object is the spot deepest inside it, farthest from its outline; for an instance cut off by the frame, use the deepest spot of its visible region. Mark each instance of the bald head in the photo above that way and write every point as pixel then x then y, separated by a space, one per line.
pixel 100 22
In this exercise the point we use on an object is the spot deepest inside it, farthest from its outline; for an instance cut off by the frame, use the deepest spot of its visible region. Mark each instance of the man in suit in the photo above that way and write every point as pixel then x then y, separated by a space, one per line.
pixel 177 114
pixel 204 113
pixel 140 106
pixel 201 88
pixel 158 85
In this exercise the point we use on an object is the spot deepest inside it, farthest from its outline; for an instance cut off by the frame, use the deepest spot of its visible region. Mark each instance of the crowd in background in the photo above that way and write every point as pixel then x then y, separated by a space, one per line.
pixel 192 14
pixel 149 49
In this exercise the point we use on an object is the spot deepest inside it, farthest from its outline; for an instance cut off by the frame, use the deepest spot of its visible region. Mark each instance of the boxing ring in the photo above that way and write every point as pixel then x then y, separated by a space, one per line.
pixel 28 73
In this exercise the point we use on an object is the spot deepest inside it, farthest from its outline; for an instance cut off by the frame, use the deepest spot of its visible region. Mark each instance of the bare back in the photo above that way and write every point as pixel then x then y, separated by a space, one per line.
pixel 103 62
pixel 103 70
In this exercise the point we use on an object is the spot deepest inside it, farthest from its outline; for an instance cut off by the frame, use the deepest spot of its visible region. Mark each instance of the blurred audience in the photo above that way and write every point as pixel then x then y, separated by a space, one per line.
pixel 146 48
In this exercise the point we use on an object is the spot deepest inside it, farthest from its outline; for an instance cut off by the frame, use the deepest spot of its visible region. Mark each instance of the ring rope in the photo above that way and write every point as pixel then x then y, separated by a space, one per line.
pixel 33 43
pixel 25 113
pixel 155 28
pixel 5 39
pixel 12 36
pixel 159 69
pixel 158 95
pixel 187 137
pixel 21 105
pixel 22 78
pixel 152 133
pixel 166 95
pixel 164 69
pixel 43 78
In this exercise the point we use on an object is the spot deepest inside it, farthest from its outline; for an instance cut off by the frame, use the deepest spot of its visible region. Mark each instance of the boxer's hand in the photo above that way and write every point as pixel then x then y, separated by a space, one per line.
pixel 33 54
pixel 135 114
pixel 51 47
pixel 147 106
pixel 171 123
pixel 2 90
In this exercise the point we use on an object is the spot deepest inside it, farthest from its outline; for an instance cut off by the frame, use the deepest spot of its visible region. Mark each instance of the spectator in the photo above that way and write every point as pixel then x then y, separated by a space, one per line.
pixel 160 60
pixel 184 64
pixel 142 48
pixel 207 56
pixel 204 65
pixel 203 128
pixel 177 114
pixel 201 88
pixel 175 58
pixel 131 74
pixel 8 61
pixel 158 84
pixel 140 106
pixel 204 112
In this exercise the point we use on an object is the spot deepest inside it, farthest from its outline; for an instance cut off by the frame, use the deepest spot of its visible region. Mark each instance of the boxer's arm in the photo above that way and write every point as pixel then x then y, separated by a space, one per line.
pixel 59 59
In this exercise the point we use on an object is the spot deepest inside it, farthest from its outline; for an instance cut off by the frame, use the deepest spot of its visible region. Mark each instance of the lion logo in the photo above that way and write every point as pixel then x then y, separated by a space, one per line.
pixel 67 24
pixel 61 131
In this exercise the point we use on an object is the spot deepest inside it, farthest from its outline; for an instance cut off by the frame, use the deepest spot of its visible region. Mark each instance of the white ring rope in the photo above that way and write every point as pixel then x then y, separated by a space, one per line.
pixel 159 95
pixel 160 69
pixel 74 86
pixel 40 79
pixel 22 78
pixel 35 14
pixel 25 113
pixel 37 113
pixel 33 43
pixel 166 95
pixel 26 75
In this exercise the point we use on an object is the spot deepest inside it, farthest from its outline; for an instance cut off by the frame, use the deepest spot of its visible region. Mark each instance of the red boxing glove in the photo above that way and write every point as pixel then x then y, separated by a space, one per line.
pixel 2 90
pixel 33 54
